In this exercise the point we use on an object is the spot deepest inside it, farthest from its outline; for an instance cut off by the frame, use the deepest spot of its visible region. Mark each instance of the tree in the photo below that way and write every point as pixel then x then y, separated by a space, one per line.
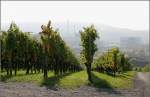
pixel 88 37
pixel 20 50
pixel 115 60
pixel 3 59
pixel 111 62
pixel 48 36
pixel 122 62
pixel 11 43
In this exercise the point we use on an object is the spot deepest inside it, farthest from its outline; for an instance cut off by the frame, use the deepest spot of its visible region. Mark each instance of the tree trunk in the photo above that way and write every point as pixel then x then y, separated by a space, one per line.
pixel 15 71
pixel 28 68
pixel 45 68
pixel 7 71
pixel 34 70
pixel 45 74
pixel 10 71
pixel 10 68
pixel 10 65
pixel 88 68
pixel 114 73
pixel 31 70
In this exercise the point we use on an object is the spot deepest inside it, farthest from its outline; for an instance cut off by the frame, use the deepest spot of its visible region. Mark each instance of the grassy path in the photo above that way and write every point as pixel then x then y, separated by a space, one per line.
pixel 74 80
pixel 76 84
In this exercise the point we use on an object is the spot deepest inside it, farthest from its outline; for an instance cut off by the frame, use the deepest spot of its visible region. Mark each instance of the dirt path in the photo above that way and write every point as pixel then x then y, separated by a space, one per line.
pixel 13 89
pixel 142 82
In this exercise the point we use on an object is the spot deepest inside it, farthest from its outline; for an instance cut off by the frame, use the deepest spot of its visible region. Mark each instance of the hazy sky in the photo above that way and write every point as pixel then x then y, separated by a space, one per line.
pixel 124 14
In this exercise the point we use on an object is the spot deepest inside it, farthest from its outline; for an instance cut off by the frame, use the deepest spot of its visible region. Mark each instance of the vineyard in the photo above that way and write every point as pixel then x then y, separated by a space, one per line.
pixel 111 62
pixel 23 54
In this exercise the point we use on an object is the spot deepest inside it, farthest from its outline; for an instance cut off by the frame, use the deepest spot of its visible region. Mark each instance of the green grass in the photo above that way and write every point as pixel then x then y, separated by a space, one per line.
pixel 22 77
pixel 124 80
pixel 73 80
pixel 67 81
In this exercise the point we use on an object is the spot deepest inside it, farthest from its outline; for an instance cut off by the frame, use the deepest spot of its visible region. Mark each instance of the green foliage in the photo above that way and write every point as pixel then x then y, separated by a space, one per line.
pixel 20 50
pixel 88 38
pixel 146 68
pixel 57 50
pixel 138 69
pixel 112 61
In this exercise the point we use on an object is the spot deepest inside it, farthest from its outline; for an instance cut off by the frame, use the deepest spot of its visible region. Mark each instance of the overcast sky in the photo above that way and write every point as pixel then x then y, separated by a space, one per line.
pixel 124 14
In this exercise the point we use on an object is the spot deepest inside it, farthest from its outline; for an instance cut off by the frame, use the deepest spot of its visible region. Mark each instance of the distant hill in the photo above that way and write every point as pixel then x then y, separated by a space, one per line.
pixel 70 32
pixel 109 36
pixel 67 29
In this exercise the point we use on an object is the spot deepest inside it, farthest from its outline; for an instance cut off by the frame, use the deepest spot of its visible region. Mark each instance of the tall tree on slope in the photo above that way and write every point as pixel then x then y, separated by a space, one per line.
pixel 88 37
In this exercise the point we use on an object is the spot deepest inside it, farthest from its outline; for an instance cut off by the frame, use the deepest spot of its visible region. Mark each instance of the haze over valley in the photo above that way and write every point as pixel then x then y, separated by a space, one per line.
pixel 109 37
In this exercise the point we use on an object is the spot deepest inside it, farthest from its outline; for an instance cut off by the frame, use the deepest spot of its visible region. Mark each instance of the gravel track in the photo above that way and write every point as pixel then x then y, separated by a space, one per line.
pixel 19 89
pixel 142 82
